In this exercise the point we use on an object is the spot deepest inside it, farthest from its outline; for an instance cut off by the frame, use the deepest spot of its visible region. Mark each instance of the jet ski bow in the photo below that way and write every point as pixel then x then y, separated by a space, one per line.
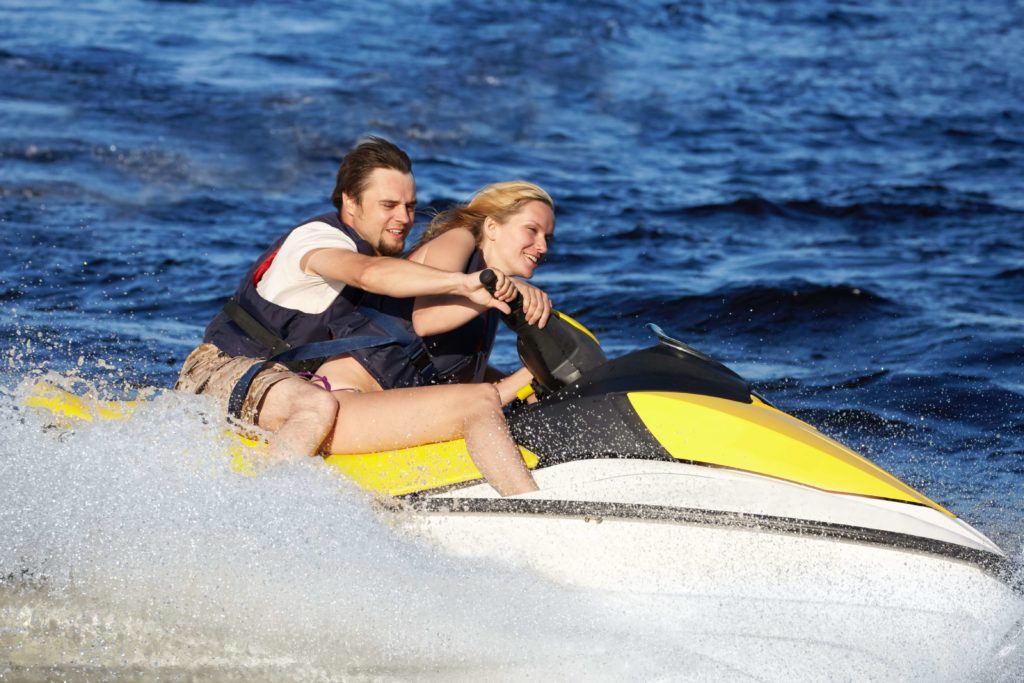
pixel 664 450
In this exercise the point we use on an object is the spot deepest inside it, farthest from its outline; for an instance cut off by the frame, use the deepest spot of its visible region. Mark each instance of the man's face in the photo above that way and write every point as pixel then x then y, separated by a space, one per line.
pixel 384 215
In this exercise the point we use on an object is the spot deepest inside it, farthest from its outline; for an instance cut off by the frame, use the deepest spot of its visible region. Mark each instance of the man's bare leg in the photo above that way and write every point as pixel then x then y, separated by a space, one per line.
pixel 400 418
pixel 300 415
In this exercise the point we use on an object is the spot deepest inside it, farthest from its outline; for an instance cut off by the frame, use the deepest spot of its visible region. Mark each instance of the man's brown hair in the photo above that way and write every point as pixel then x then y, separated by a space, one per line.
pixel 370 153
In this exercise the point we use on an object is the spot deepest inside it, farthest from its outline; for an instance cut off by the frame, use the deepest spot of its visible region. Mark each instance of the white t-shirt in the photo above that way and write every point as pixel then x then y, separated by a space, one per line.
pixel 285 284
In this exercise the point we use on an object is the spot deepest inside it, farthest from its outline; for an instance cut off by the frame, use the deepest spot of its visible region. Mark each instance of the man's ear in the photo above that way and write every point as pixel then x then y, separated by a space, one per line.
pixel 348 204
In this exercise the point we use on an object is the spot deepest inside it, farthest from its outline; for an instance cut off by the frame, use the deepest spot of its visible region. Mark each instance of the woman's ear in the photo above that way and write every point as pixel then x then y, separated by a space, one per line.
pixel 490 228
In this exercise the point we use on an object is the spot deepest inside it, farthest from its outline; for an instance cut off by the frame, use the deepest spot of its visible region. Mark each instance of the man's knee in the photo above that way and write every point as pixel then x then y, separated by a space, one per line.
pixel 296 397
pixel 322 403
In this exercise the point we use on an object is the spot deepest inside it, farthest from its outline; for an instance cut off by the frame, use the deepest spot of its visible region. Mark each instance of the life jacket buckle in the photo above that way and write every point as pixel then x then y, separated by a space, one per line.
pixel 419 357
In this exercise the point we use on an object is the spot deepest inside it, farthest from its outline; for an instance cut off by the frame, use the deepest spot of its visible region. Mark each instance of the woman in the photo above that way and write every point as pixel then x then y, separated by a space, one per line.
pixel 505 226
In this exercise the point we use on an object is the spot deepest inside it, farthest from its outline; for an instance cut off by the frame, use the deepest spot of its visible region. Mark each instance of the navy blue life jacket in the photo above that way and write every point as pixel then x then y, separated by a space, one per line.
pixel 402 363
pixel 459 355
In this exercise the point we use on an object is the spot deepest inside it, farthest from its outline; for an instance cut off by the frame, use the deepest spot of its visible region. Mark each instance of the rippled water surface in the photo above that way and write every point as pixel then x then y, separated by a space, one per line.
pixel 826 196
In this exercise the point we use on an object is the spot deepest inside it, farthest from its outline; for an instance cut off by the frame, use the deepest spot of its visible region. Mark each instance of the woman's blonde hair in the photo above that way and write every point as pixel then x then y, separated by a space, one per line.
pixel 498 201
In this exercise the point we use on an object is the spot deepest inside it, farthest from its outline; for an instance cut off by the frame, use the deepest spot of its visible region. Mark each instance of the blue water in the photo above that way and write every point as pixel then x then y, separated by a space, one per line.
pixel 826 196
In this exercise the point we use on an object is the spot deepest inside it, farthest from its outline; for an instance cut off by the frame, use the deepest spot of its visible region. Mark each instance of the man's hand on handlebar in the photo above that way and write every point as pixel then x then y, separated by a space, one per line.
pixel 504 290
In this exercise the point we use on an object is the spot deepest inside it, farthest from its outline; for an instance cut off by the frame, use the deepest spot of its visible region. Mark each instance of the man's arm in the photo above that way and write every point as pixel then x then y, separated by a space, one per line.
pixel 400 278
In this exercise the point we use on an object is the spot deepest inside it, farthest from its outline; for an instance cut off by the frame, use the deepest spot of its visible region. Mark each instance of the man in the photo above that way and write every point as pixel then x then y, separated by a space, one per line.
pixel 305 291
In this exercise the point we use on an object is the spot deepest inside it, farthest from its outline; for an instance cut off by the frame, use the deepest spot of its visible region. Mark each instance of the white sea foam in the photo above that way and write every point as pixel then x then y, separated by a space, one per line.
pixel 130 548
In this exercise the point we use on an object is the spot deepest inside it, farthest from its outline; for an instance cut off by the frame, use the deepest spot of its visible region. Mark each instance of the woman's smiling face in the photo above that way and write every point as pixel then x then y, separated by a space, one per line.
pixel 519 244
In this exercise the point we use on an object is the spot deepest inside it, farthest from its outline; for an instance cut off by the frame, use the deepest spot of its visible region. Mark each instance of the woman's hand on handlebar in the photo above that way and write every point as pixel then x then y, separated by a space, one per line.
pixel 536 303
pixel 504 290
pixel 509 386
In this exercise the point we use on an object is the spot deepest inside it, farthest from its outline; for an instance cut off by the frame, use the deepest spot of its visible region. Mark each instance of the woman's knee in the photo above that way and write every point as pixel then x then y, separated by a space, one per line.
pixel 483 398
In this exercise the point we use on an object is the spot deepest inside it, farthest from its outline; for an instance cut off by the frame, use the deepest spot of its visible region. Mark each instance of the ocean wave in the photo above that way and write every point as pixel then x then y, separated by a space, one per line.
pixel 968 401
pixel 779 306
pixel 41 153
pixel 12 293
pixel 851 423
pixel 1011 274
pixel 880 209
pixel 641 232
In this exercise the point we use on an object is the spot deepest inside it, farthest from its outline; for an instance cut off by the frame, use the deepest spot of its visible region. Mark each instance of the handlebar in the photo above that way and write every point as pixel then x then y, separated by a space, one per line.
pixel 489 280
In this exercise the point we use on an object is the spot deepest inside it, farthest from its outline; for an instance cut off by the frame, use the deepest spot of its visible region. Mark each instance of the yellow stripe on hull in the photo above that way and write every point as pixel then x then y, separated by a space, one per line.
pixel 409 470
pixel 760 439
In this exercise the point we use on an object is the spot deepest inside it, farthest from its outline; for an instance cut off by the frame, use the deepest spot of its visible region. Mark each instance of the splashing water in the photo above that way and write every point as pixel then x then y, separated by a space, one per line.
pixel 132 544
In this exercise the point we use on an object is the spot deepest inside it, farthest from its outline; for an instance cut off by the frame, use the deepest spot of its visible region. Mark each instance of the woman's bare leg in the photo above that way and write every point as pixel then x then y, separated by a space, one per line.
pixel 493 450
pixel 400 418
pixel 345 371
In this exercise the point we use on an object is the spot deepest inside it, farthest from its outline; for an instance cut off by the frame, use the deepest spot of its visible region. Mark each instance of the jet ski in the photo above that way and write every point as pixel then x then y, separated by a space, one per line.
pixel 658 469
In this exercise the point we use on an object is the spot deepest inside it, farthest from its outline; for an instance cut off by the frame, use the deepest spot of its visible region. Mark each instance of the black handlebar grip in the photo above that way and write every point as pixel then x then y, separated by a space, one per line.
pixel 489 280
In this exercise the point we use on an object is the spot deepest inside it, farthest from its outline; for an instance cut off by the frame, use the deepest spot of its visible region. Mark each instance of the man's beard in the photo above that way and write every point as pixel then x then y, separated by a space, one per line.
pixel 390 249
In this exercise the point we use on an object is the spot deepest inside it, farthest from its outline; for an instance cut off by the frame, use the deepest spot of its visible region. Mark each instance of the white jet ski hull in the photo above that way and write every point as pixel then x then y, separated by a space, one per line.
pixel 660 528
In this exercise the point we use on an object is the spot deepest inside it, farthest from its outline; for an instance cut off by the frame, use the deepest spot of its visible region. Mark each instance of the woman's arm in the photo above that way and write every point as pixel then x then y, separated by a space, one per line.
pixel 452 251
pixel 449 251
pixel 510 385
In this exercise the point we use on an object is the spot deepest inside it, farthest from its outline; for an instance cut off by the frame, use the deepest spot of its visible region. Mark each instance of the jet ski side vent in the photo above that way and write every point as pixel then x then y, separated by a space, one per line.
pixel 602 426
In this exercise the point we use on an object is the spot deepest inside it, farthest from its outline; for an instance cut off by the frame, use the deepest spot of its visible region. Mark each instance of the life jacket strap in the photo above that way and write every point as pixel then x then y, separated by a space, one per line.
pixel 283 352
pixel 256 330
pixel 412 345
